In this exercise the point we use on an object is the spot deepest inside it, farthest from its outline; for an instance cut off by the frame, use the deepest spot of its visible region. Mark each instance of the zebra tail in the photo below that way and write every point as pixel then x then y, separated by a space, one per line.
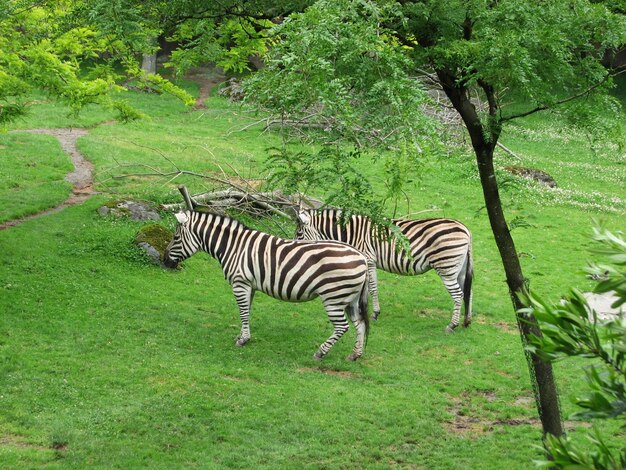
pixel 363 307
pixel 467 285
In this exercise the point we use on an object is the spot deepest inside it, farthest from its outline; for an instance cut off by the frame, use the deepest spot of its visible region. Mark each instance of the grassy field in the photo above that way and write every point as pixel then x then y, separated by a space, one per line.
pixel 107 361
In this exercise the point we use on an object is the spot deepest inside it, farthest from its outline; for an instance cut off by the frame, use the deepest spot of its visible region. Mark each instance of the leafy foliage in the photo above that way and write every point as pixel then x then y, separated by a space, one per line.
pixel 336 69
pixel 333 168
pixel 229 44
pixel 72 50
pixel 573 329
pixel 613 272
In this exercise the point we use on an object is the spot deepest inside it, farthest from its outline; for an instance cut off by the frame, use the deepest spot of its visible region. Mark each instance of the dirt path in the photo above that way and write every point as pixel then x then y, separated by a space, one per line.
pixel 206 78
pixel 81 178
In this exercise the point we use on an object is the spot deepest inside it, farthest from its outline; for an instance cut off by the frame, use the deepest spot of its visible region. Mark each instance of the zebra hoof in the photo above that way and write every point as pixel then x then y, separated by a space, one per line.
pixel 467 323
pixel 450 328
pixel 353 357
pixel 241 341
pixel 375 315
pixel 318 356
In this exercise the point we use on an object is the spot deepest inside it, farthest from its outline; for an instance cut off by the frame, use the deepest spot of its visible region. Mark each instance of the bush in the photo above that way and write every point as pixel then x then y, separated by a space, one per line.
pixel 572 328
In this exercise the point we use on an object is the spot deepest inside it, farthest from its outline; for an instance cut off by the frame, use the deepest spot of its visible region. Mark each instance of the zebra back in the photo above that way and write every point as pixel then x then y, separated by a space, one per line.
pixel 328 224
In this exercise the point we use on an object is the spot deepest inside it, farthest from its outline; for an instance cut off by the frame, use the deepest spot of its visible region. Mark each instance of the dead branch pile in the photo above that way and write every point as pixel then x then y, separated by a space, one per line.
pixel 233 90
pixel 251 202
pixel 224 189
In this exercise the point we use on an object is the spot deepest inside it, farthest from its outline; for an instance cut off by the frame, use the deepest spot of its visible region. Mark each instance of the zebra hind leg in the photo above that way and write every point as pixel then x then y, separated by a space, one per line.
pixel 340 325
pixel 357 352
pixel 456 293
pixel 455 315
pixel 359 319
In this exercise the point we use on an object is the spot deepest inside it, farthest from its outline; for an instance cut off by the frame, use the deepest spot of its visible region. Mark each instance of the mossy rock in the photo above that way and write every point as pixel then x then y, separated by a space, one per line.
pixel 154 236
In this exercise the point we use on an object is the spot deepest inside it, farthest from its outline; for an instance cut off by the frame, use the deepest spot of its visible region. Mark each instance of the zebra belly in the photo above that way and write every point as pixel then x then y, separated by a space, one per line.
pixel 336 284
pixel 281 295
pixel 403 267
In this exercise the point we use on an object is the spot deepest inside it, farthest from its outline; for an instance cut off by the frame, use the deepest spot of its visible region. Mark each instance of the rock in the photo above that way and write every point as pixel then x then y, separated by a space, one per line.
pixel 601 303
pixel 153 239
pixel 134 209
pixel 151 251
pixel 533 174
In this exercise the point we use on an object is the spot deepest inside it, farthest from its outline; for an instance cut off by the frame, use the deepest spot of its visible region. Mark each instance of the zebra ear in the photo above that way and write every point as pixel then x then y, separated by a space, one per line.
pixel 182 217
pixel 304 218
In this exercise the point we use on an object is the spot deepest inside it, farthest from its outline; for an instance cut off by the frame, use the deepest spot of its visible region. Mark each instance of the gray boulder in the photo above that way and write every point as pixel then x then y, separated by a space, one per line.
pixel 136 210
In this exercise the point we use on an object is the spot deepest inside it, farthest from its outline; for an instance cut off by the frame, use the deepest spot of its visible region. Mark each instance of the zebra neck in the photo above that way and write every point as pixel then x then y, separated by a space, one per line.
pixel 222 236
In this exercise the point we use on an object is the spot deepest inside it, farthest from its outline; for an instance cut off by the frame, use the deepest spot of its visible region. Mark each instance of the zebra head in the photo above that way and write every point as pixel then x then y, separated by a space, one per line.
pixel 305 229
pixel 184 244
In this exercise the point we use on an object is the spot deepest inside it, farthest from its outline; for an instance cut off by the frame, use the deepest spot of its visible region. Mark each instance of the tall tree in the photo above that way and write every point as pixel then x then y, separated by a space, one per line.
pixel 545 55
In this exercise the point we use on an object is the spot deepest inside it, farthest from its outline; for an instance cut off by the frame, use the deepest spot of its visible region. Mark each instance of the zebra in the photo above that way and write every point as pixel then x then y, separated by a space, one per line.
pixel 444 245
pixel 288 270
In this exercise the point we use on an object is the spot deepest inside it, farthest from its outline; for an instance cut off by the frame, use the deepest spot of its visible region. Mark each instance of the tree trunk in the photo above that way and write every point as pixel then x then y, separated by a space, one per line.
pixel 541 372
pixel 149 63
pixel 484 142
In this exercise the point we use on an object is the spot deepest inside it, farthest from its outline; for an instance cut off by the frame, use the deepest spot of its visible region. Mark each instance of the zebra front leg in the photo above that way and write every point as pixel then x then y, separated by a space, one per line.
pixel 243 294
pixel 357 311
pixel 372 280
pixel 340 325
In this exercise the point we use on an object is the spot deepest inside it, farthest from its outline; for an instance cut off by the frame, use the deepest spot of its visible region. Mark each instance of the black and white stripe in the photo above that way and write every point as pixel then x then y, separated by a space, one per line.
pixel 289 270
pixel 444 245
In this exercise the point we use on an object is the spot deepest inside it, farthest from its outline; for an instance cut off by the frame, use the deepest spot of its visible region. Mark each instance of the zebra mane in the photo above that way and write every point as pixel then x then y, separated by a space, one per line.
pixel 222 217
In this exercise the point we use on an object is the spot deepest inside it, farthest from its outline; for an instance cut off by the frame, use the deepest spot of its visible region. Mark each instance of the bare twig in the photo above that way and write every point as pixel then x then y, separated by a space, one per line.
pixel 411 214
pixel 509 151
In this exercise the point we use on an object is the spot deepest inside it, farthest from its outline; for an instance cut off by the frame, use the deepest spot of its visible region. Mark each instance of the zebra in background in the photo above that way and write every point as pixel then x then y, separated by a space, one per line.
pixel 284 269
pixel 444 245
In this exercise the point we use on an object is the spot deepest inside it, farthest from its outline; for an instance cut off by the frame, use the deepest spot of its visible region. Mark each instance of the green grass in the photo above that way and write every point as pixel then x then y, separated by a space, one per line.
pixel 32 168
pixel 107 361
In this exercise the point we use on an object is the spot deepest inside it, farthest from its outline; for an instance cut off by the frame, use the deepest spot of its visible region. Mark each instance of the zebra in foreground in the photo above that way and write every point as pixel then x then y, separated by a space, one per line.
pixel 444 245
pixel 284 269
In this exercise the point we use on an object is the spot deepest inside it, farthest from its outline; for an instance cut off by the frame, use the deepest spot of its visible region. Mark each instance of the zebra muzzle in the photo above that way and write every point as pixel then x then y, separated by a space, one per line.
pixel 169 262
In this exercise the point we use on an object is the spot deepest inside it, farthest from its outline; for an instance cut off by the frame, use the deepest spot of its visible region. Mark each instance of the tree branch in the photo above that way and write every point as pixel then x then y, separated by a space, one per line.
pixel 563 101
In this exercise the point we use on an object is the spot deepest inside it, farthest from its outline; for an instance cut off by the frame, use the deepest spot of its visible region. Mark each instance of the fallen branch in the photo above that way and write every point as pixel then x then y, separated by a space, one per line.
pixel 232 198
pixel 229 190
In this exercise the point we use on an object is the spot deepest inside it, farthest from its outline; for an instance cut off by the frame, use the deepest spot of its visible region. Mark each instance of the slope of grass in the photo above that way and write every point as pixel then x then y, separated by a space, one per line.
pixel 109 362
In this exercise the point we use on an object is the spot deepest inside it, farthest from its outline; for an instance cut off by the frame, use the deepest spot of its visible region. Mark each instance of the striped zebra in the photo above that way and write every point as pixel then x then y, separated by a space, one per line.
pixel 444 245
pixel 284 269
